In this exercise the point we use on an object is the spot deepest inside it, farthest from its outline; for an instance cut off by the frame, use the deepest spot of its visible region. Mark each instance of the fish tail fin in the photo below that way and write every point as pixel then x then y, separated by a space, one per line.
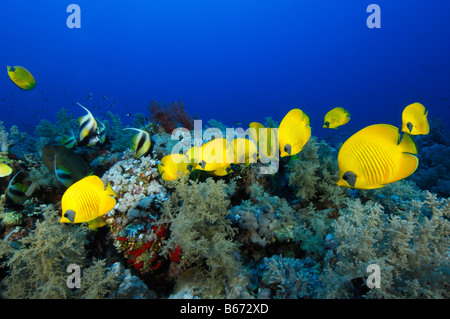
pixel 160 169
pixel 409 165
pixel 407 144
pixel 107 203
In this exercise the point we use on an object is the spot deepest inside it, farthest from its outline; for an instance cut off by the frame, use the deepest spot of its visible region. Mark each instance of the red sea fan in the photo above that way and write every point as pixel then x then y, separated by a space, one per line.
pixel 171 116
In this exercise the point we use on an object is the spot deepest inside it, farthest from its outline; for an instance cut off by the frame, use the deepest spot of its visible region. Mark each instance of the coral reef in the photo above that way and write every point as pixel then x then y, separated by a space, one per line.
pixel 37 263
pixel 313 176
pixel 293 234
pixel 289 278
pixel 197 214
pixel 262 218
pixel 433 173
pixel 129 286
pixel 411 249
pixel 170 115
pixel 140 197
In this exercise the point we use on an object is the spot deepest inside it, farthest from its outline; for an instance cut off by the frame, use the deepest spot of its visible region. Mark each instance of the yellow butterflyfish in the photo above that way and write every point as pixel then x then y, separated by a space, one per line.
pixel 244 151
pixel 5 170
pixel 87 200
pixel 414 120
pixel 294 132
pixel 21 77
pixel 216 154
pixel 375 156
pixel 174 166
pixel 336 117
pixel 265 139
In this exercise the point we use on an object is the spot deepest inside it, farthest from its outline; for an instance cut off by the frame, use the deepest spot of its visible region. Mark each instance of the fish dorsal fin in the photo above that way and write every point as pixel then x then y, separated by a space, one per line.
pixel 306 118
pixel 93 182
pixel 254 132
pixel 135 129
pixel 384 133
pixel 12 179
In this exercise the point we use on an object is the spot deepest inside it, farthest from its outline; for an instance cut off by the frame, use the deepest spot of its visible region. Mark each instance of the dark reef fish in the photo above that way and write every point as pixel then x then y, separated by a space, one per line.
pixel 68 159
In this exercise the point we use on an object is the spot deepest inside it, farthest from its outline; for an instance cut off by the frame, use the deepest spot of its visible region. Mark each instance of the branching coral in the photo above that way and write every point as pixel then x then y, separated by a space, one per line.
pixel 197 214
pixel 411 250
pixel 6 139
pixel 290 278
pixel 169 116
pixel 37 268
pixel 262 217
pixel 314 175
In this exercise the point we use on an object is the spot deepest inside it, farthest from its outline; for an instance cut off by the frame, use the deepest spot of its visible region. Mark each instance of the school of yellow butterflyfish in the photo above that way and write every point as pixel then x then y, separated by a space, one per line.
pixel 373 157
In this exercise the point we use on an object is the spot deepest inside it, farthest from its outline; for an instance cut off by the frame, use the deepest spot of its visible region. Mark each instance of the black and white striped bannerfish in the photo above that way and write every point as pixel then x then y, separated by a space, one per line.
pixel 88 126
pixel 141 142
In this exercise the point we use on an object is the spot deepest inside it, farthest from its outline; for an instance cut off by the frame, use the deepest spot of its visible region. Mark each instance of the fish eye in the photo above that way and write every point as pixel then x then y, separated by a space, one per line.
pixel 287 149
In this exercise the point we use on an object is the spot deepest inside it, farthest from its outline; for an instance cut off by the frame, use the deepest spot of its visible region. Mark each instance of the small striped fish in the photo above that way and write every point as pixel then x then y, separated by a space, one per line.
pixel 141 142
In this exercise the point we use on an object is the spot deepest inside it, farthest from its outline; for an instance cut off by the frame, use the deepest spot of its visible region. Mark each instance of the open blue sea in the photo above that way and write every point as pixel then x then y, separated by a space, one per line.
pixel 233 61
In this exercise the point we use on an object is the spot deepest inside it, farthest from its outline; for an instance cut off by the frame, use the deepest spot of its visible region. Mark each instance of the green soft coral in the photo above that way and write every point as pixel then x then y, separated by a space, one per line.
pixel 411 250
pixel 314 175
pixel 38 264
pixel 197 213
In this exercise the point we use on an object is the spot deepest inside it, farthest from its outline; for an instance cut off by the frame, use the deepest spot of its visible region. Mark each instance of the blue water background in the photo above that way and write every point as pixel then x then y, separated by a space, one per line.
pixel 233 60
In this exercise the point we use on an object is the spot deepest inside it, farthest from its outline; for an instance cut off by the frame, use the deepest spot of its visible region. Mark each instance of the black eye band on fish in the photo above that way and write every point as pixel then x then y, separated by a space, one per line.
pixel 70 215
pixel 350 178
pixel 288 149
pixel 409 125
